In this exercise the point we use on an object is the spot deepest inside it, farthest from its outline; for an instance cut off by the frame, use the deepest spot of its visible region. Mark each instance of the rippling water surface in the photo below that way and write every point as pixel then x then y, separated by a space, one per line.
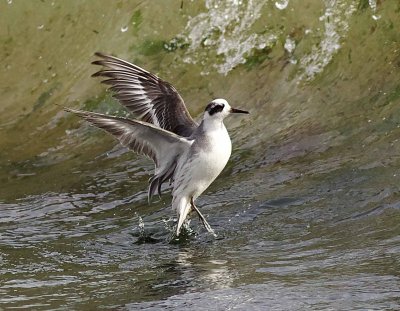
pixel 307 211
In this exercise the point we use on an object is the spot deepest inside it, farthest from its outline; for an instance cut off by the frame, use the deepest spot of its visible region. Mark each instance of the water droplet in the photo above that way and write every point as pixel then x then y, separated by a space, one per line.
pixel 282 4
pixel 372 4
pixel 124 29
pixel 141 223
pixel 262 45
pixel 289 45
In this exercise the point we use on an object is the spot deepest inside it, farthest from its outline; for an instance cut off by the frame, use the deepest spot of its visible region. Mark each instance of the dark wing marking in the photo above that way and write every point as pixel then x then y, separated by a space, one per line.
pixel 145 95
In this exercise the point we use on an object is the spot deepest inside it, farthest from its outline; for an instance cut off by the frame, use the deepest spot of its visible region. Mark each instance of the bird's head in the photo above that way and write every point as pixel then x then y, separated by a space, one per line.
pixel 219 109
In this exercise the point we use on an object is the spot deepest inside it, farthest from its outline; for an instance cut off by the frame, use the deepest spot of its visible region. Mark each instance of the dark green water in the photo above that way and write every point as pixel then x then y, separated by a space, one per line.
pixel 307 211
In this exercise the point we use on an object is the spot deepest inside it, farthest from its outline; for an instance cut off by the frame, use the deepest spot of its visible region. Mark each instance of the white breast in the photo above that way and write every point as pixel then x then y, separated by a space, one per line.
pixel 196 173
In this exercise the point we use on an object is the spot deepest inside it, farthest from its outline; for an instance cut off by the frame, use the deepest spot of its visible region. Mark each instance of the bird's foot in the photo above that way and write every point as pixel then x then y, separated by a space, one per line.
pixel 204 221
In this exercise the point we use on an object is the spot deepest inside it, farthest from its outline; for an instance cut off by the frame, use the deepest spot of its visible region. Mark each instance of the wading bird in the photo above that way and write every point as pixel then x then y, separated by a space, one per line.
pixel 187 154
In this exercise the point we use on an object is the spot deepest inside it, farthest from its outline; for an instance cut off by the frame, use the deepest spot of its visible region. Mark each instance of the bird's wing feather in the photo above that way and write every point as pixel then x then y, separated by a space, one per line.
pixel 145 95
pixel 143 138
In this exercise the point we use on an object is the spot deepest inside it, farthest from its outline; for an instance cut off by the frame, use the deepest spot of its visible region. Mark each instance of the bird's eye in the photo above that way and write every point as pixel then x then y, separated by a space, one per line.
pixel 214 108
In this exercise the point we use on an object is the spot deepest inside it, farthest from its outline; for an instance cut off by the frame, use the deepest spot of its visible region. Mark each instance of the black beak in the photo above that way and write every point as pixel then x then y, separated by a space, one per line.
pixel 234 110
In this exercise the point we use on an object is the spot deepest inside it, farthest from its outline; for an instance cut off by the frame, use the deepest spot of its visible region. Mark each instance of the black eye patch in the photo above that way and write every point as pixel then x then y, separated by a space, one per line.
pixel 214 108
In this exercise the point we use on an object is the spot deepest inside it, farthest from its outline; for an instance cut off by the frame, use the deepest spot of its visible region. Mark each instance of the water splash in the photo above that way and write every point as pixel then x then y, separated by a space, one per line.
pixel 227 34
pixel 290 45
pixel 373 6
pixel 141 224
pixel 226 30
pixel 336 24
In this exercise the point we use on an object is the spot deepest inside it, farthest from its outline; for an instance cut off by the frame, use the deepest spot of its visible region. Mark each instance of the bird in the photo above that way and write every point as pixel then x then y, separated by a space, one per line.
pixel 188 154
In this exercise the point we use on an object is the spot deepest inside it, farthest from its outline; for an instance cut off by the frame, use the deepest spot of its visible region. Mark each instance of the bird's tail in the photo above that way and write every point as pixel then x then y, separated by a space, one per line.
pixel 182 207
pixel 159 178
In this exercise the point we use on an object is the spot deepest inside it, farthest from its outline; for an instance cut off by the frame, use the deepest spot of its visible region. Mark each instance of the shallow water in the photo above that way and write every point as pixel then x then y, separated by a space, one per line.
pixel 307 211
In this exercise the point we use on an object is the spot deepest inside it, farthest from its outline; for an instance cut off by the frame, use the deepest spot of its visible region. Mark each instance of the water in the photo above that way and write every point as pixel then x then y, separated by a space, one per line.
pixel 307 211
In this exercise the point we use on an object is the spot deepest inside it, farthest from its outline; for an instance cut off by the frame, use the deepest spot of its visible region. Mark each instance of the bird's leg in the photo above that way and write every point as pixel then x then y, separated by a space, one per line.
pixel 203 220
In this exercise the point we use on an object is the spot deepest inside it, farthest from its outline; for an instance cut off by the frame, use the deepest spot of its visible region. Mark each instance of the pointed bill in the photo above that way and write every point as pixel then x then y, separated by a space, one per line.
pixel 235 110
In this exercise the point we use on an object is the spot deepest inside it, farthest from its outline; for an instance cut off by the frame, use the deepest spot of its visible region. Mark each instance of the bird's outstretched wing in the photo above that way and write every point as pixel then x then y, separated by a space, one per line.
pixel 161 146
pixel 145 95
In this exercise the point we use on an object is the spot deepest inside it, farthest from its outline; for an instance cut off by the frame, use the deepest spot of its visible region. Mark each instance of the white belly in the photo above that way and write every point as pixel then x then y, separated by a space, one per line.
pixel 198 171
